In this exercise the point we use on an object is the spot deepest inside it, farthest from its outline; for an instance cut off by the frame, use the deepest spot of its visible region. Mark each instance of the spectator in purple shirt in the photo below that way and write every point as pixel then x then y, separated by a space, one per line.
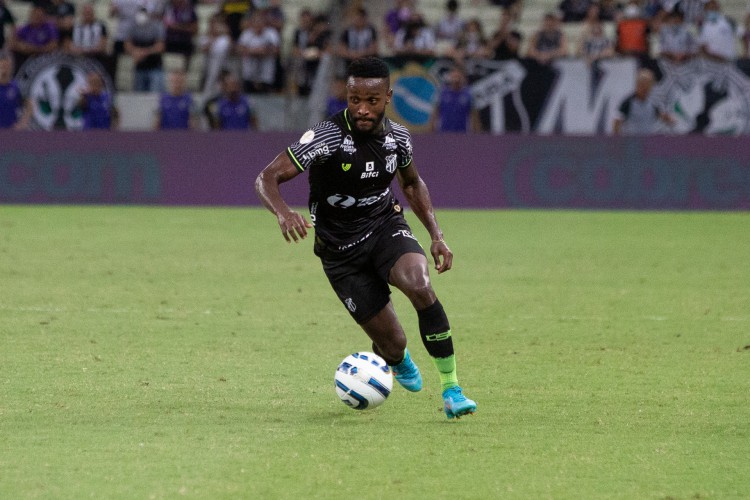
pixel 15 111
pixel 96 104
pixel 234 110
pixel 175 105
pixel 455 111
pixel 38 36
pixel 337 98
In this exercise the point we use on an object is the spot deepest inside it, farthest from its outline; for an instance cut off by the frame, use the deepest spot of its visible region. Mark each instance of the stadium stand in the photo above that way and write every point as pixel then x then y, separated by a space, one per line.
pixel 531 14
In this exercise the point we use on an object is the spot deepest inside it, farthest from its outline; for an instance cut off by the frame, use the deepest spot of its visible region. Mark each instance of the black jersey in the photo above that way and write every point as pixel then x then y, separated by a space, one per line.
pixel 350 176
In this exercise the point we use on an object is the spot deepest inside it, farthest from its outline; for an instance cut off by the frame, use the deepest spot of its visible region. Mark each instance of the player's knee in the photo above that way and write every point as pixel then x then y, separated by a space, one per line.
pixel 393 349
pixel 421 294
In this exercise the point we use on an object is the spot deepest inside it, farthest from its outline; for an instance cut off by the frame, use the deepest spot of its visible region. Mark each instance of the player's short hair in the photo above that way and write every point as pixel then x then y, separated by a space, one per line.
pixel 368 67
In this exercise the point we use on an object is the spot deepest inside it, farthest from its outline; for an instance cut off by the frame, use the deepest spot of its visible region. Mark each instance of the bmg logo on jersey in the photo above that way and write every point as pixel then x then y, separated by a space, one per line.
pixel 370 171
pixel 318 151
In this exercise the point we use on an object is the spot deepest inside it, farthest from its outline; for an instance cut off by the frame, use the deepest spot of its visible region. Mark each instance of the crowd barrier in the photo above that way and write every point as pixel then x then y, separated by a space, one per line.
pixel 462 171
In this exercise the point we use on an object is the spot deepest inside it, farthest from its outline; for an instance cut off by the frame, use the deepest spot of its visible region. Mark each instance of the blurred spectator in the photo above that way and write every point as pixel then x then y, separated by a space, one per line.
pixel 89 35
pixel 15 111
pixel 574 11
pixel 512 6
pixel 638 114
pixel 608 10
pixel 717 34
pixel 337 98
pixel 235 11
pixel 6 18
pixel 234 111
pixel 633 32
pixel 359 39
pixel 506 41
pixel 299 79
pixel 38 36
pixel 124 12
pixel 692 10
pixel 215 45
pixel 594 44
pixel 450 26
pixel 181 26
pixel 145 44
pixel 744 33
pixel 549 42
pixel 471 43
pixel 176 105
pixel 316 44
pixel 258 47
pixel 415 40
pixel 396 18
pixel 676 42
pixel 455 111
pixel 211 105
pixel 63 14
pixel 274 15
pixel 97 106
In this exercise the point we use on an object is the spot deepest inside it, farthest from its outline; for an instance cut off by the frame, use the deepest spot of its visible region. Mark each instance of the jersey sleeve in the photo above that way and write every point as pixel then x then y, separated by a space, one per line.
pixel 315 146
pixel 403 139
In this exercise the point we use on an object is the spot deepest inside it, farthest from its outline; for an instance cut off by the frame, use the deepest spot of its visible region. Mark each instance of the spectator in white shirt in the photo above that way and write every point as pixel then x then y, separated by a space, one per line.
pixel 258 47
pixel 717 35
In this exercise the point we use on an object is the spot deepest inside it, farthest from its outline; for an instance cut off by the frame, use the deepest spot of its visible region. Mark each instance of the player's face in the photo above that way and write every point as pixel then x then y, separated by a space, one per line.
pixel 366 100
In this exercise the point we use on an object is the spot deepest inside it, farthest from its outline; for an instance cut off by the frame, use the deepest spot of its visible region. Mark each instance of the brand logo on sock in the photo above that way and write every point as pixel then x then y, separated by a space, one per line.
pixel 435 337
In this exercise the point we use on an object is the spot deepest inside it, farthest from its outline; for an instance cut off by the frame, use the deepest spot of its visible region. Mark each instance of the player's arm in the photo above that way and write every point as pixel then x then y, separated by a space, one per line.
pixel 293 225
pixel 418 196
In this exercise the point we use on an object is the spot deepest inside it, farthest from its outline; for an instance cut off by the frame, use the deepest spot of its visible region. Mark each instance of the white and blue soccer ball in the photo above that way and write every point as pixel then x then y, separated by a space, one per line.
pixel 363 380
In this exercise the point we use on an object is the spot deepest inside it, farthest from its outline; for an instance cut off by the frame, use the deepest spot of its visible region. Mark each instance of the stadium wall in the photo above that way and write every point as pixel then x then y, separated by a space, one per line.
pixel 463 171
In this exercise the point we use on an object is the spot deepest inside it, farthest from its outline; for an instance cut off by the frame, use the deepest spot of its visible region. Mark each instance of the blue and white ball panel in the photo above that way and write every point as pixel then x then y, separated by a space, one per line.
pixel 363 380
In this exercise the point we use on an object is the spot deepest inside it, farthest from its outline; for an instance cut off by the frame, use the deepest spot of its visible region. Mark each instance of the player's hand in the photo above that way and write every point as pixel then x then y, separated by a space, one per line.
pixel 442 255
pixel 293 226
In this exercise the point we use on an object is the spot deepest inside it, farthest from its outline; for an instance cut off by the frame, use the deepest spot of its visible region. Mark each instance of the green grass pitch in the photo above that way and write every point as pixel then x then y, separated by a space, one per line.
pixel 190 352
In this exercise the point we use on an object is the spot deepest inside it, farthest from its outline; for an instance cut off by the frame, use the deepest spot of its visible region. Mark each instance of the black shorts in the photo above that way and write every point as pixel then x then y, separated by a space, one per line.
pixel 359 276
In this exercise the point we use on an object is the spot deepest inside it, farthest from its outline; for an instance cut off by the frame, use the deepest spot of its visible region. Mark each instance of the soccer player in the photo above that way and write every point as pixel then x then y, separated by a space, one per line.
pixel 361 235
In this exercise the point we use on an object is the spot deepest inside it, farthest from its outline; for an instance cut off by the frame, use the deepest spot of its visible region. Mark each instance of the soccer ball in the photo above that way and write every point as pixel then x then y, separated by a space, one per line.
pixel 363 380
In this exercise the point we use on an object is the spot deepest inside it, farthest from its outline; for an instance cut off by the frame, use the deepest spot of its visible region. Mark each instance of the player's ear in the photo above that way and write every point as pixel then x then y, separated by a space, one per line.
pixel 388 96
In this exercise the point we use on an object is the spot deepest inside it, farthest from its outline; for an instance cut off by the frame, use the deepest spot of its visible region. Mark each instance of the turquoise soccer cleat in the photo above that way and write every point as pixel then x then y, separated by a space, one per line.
pixel 456 404
pixel 407 374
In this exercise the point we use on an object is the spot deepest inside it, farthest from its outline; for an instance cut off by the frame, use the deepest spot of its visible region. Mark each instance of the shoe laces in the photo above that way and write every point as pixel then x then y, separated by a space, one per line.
pixel 455 394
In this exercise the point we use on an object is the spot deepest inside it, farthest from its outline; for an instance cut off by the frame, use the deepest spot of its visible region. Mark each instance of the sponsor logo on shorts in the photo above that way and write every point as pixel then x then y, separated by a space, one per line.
pixel 350 304
pixel 404 233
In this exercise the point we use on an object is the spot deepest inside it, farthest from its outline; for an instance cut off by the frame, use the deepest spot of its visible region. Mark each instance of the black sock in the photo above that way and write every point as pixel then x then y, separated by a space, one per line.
pixel 435 331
